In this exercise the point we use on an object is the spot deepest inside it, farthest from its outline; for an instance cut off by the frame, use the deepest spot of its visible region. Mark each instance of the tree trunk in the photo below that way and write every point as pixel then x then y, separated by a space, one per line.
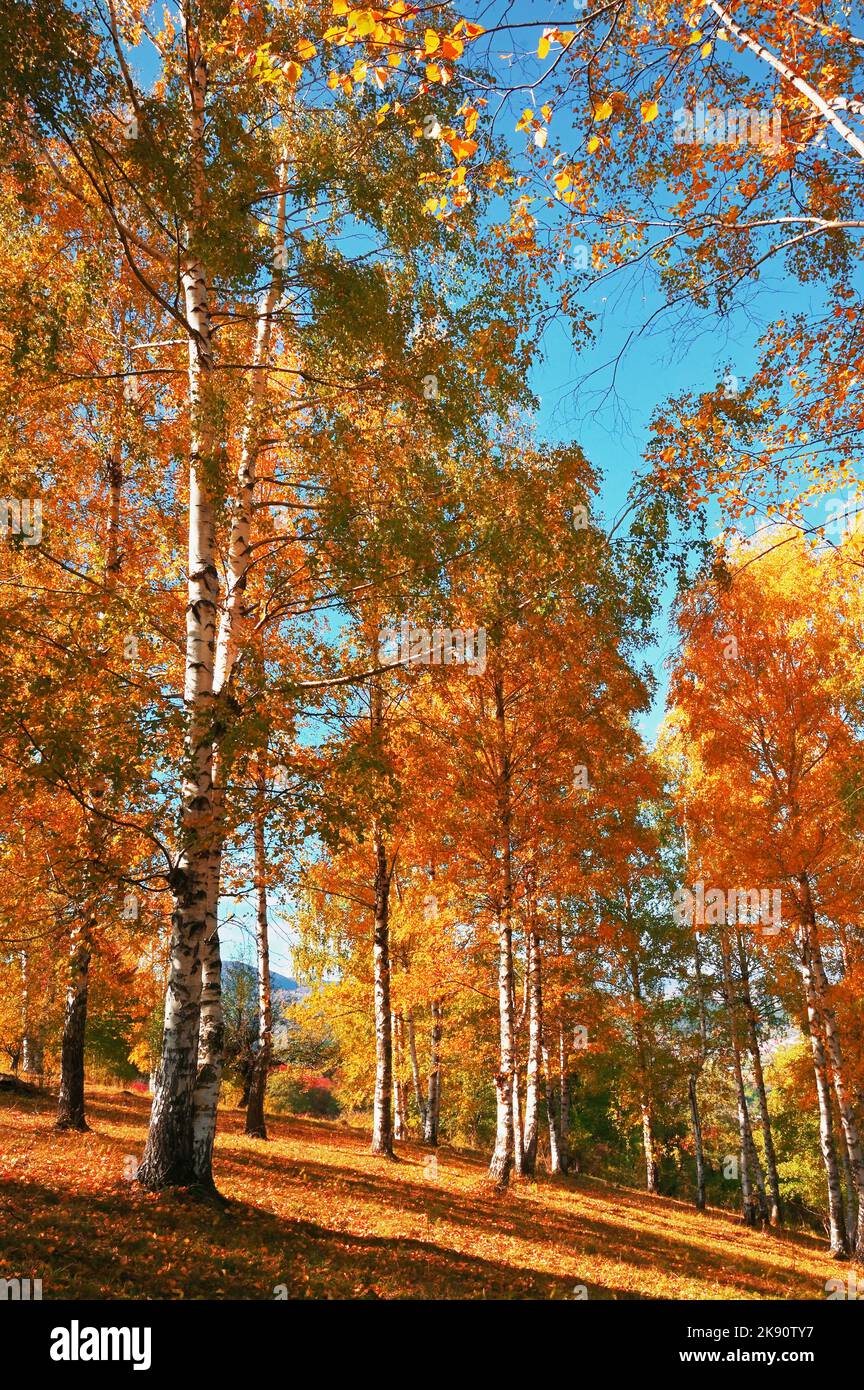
pixel 645 1099
pixel 518 1141
pixel 850 1209
pixel 400 1122
pixel 211 1037
pixel 432 1111
pixel 698 1149
pixel 70 1104
pixel 535 1051
pixel 70 1101
pixel 838 1071
pixel 551 1118
pixel 836 1224
pixel 168 1153
pixel 228 642
pixel 382 1126
pixel 693 1081
pixel 648 1148
pixel 32 1050
pixel 256 1126
pixel 415 1072
pixel 502 1157
pixel 748 1196
pixel 563 1100
pixel 775 1211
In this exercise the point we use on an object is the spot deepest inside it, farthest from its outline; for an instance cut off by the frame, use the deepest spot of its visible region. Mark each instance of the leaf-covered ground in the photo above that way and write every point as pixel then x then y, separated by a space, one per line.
pixel 314 1211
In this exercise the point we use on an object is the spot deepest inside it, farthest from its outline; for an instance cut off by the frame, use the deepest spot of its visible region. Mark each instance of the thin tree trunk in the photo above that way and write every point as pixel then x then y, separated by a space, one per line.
pixel 432 1113
pixel 256 1126
pixel 645 1098
pixel 850 1209
pixel 838 1072
pixel 551 1118
pixel 535 1051
pixel 70 1104
pixel 776 1211
pixel 415 1072
pixel 748 1197
pixel 836 1222
pixel 400 1123
pixel 382 1124
pixel 32 1050
pixel 563 1100
pixel 693 1082
pixel 698 1149
pixel 518 1140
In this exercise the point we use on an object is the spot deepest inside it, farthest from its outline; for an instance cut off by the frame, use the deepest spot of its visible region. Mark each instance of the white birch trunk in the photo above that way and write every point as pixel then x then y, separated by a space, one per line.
pixel 502 1157
pixel 535 1052
pixel 256 1125
pixel 168 1154
pixel 382 1120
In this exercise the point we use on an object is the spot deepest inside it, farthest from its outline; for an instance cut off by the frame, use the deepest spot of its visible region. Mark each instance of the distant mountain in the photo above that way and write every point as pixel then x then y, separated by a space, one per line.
pixel 279 984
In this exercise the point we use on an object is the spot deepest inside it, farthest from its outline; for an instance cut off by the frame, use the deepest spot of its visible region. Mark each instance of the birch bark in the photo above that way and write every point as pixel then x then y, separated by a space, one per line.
pixel 502 1158
pixel 168 1153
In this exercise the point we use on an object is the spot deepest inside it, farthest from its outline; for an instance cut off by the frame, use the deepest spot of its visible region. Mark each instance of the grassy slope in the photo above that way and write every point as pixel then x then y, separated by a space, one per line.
pixel 315 1211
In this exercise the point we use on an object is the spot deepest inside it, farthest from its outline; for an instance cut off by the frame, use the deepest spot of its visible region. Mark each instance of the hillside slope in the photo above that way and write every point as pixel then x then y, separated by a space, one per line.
pixel 314 1211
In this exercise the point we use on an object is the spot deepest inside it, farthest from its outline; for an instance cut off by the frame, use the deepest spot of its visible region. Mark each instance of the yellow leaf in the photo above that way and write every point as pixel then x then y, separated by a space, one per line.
pixel 695 37
pixel 593 143
pixel 394 59
pixel 563 180
pixel 306 49
pixel 340 7
pixel 649 111
pixel 543 48
pixel 363 22
pixel 432 41
pixel 604 111
pixel 433 72
pixel 462 148
pixel 546 112
pixel 707 49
